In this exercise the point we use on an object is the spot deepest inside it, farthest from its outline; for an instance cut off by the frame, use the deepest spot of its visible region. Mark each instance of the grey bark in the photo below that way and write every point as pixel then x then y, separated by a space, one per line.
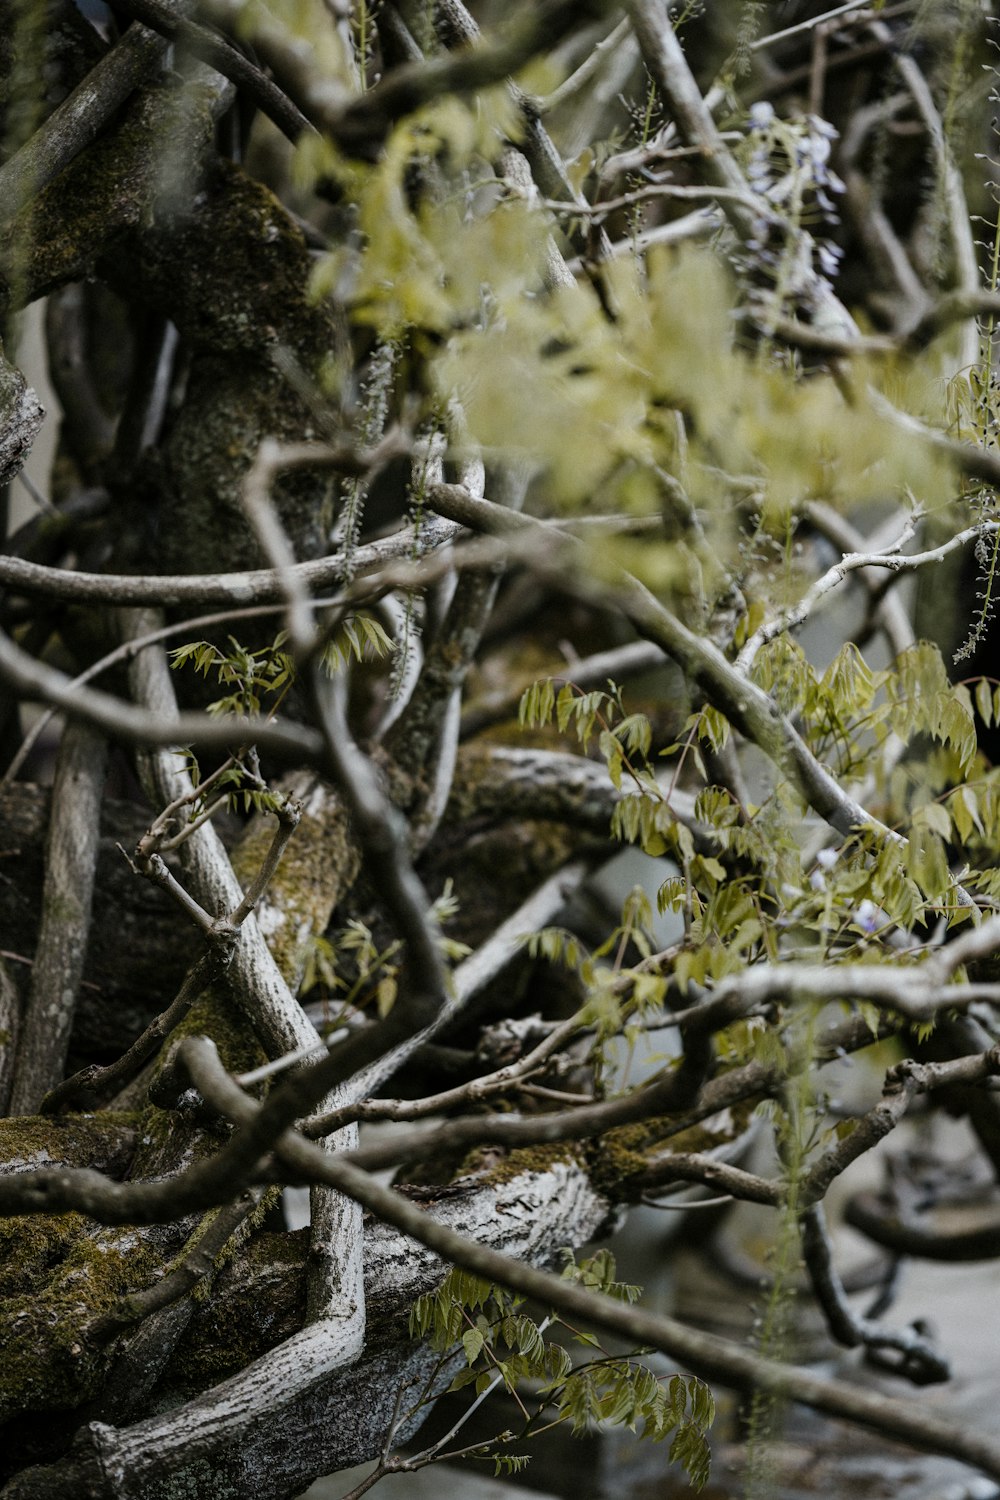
pixel 70 865
pixel 21 416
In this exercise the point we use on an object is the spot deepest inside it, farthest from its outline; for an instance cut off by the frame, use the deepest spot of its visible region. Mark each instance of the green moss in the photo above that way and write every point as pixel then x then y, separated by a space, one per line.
pixel 491 1166
pixel 622 1154
pixel 216 1014
pixel 60 1274
pixel 105 1141
pixel 236 395
pixel 114 209
pixel 541 1158
pixel 69 1275
pixel 612 1162
pixel 106 190
pixel 165 1135
pixel 240 1242
pixel 216 300
pixel 233 403
pixel 221 1339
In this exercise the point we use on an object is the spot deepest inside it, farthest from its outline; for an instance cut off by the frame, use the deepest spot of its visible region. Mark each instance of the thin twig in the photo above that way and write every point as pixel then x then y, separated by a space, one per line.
pixel 196 1262
pixel 97 1084
pixel 893 562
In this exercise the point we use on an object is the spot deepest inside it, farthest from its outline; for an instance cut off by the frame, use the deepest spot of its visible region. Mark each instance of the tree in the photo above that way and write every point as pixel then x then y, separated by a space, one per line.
pixel 394 347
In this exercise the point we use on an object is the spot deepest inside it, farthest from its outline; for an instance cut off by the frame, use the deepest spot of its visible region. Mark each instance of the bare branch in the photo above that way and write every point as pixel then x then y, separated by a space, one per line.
pixel 335 1294
pixel 97 1084
pixel 383 837
pixel 917 1360
pixel 951 185
pixel 226 59
pixel 257 586
pixel 748 708
pixel 889 612
pixel 62 941
pixel 424 737
pixel 894 562
pixel 468 980
pixel 544 164
pixel 261 988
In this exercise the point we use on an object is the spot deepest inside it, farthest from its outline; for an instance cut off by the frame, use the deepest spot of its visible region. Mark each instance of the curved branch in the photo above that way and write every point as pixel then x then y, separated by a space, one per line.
pixel 424 735
pixel 893 562
pixel 917 1358
pixel 225 59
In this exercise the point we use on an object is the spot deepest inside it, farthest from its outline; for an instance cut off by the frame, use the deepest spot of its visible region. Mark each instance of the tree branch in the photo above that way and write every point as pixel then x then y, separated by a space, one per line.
pixel 224 58
pixel 77 121
pixel 917 1360
pixel 71 859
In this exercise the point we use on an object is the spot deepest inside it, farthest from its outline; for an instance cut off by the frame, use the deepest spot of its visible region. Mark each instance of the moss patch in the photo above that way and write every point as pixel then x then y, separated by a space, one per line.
pixel 67 1275
pixel 104 1141
pixel 624 1153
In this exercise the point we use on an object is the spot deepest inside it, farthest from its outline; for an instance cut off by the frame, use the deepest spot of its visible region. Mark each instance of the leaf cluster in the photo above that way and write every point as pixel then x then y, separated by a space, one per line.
pixel 259 680
pixel 502 1344
pixel 351 967
pixel 755 896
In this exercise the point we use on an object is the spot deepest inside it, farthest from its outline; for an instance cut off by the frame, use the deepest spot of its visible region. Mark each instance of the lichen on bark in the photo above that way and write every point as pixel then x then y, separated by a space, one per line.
pixel 21 417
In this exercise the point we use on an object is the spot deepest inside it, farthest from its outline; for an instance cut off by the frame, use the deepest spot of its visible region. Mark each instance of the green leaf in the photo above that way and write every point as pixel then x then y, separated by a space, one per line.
pixel 385 995
pixel 565 705
pixel 636 733
pixel 984 701
pixel 848 681
pixel 964 808
pixel 927 863
pixel 935 817
pixel 715 728
pixel 473 1342
pixel 671 894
